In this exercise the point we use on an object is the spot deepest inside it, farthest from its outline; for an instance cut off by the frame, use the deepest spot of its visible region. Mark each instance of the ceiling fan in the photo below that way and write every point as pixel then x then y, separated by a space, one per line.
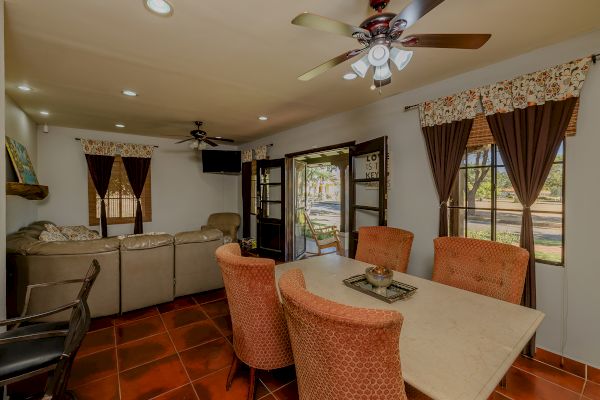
pixel 201 139
pixel 379 34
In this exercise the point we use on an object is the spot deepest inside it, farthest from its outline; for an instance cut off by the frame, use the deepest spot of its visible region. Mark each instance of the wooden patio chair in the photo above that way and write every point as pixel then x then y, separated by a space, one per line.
pixel 330 234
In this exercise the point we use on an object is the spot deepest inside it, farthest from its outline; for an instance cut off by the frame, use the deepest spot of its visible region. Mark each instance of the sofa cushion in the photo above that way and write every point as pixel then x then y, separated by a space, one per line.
pixel 79 232
pixel 18 243
pixel 142 242
pixel 205 235
pixel 48 236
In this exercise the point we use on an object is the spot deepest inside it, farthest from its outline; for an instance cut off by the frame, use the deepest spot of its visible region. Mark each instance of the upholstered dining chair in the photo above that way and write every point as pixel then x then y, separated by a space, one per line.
pixel 342 352
pixel 260 337
pixel 47 347
pixel 384 246
pixel 489 268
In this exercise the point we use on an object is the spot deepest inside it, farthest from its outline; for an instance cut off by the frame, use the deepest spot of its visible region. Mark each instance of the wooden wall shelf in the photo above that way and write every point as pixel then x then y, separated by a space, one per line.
pixel 30 192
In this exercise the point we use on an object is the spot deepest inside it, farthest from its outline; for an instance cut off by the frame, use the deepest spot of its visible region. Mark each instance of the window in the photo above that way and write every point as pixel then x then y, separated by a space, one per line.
pixel 483 204
pixel 120 201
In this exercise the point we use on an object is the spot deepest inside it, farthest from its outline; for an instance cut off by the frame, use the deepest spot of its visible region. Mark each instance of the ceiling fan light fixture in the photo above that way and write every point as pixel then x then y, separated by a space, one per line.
pixel 382 73
pixel 400 58
pixel 361 67
pixel 350 76
pixel 379 55
pixel 159 7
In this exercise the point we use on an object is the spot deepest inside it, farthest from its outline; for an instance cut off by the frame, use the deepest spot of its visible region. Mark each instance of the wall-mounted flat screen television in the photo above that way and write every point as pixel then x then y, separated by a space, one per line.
pixel 222 161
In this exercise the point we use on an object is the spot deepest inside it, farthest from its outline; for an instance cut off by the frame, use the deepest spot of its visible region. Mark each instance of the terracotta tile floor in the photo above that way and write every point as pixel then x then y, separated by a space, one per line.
pixel 182 351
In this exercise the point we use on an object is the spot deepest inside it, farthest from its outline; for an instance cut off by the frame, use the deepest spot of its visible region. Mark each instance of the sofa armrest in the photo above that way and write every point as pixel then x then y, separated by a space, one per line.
pixel 204 235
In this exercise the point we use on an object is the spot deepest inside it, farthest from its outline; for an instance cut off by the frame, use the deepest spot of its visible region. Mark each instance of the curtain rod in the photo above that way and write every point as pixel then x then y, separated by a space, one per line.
pixel 414 106
pixel 79 139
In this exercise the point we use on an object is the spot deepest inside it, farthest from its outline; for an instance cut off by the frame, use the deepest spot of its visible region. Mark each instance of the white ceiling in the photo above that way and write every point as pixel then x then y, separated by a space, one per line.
pixel 227 62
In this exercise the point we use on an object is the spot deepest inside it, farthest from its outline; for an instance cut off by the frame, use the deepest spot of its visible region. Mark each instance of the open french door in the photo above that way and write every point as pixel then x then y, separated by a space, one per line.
pixel 270 218
pixel 299 209
pixel 368 187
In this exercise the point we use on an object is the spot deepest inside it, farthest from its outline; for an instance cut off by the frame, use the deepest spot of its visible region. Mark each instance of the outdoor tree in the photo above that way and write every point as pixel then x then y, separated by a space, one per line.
pixel 477 186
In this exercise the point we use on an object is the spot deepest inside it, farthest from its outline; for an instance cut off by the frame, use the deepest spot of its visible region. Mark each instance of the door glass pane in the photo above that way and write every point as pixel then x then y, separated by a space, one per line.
pixel 271 210
pixel 547 236
pixel 366 218
pixel 508 227
pixel 271 192
pixel 367 194
pixel 366 166
pixel 271 175
pixel 479 224
pixel 300 208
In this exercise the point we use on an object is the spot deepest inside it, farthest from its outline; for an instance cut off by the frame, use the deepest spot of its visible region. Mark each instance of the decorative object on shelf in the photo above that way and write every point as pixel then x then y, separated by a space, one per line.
pixel 29 192
pixel 380 278
pixel 380 34
pixel 247 155
pixel 394 292
pixel 248 244
pixel 257 153
pixel 21 161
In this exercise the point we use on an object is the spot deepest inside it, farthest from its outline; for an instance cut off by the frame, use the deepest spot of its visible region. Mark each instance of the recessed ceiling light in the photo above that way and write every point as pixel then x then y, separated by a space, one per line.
pixel 263 118
pixel 159 7
pixel 129 92
pixel 120 125
pixel 24 88
pixel 44 113
pixel 218 137
pixel 350 76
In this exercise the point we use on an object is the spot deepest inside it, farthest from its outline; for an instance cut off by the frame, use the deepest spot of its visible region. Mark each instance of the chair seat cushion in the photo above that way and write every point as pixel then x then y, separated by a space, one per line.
pixel 22 357
pixel 329 240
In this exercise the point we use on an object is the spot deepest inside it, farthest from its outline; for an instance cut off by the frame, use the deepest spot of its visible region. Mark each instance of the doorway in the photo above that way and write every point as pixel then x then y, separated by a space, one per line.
pixel 320 199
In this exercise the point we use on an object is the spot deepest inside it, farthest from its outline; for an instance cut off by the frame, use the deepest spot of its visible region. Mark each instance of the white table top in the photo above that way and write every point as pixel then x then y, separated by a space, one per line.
pixel 454 344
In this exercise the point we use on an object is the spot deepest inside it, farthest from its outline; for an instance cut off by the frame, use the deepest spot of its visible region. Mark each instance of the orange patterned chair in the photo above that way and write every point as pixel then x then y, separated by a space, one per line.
pixel 385 246
pixel 342 352
pixel 260 336
pixel 489 268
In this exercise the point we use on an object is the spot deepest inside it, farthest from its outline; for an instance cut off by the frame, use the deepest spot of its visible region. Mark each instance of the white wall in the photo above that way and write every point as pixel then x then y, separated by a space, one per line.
pixel 19 211
pixel 182 196
pixel 413 201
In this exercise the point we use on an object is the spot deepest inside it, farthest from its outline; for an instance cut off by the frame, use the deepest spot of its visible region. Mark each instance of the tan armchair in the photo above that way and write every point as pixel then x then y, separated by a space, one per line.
pixel 228 223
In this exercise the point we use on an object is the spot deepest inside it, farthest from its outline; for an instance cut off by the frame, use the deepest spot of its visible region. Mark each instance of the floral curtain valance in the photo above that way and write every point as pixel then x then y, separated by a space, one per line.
pixel 460 106
pixel 257 153
pixel 106 148
pixel 552 84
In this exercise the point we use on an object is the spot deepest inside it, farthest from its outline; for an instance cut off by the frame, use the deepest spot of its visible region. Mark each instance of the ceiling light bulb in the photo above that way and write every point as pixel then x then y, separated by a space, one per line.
pixel 373 87
pixel 45 113
pixel 263 118
pixel 128 92
pixel 350 76
pixel 159 7
pixel 382 73
pixel 24 88
pixel 379 55
pixel 361 67
pixel 400 58
pixel 120 125
pixel 201 145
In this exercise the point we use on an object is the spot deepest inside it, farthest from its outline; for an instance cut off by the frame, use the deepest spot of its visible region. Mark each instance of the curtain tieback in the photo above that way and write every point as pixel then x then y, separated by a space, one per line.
pixel 444 203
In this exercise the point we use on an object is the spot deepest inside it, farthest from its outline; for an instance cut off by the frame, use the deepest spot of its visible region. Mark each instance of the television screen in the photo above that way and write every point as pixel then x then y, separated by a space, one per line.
pixel 222 161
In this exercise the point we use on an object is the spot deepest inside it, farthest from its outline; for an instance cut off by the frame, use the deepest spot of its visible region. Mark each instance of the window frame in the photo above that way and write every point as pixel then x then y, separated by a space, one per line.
pixel 493 165
pixel 94 199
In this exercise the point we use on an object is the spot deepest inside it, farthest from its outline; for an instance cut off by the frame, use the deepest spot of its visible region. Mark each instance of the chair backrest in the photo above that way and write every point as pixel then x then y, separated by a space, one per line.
pixel 224 220
pixel 385 246
pixel 310 225
pixel 341 352
pixel 489 268
pixel 260 337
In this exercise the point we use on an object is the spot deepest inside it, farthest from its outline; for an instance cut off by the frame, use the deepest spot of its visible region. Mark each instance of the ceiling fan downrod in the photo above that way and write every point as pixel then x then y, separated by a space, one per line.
pixel 378 5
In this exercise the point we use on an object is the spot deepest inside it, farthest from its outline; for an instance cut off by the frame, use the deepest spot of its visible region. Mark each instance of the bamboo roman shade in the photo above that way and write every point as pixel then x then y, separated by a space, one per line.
pixel 481 134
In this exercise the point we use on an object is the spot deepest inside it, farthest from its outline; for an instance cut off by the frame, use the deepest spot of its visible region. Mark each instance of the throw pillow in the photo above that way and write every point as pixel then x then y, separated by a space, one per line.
pixel 79 232
pixel 47 236
pixel 52 228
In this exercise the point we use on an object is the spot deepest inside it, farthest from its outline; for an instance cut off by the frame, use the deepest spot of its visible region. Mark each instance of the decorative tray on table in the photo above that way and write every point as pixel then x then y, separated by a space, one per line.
pixel 396 291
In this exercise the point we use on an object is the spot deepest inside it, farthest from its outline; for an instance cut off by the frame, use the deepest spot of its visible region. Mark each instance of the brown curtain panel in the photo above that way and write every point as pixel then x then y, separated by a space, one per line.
pixel 446 145
pixel 137 171
pixel 100 168
pixel 528 140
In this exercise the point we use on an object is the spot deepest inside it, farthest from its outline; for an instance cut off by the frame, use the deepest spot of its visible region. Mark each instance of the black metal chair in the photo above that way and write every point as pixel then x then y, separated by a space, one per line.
pixel 47 347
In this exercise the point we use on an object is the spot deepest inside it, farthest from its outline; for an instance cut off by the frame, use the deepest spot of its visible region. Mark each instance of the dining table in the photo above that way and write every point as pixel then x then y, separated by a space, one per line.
pixel 454 344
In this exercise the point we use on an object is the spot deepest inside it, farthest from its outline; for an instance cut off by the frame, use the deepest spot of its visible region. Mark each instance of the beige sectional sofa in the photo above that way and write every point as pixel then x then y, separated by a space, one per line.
pixel 137 271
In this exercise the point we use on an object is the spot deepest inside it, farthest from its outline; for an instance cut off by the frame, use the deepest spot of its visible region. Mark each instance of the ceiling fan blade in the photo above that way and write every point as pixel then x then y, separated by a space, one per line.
pixel 185 140
pixel 220 139
pixel 314 21
pixel 414 11
pixel 210 142
pixel 447 41
pixel 329 64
